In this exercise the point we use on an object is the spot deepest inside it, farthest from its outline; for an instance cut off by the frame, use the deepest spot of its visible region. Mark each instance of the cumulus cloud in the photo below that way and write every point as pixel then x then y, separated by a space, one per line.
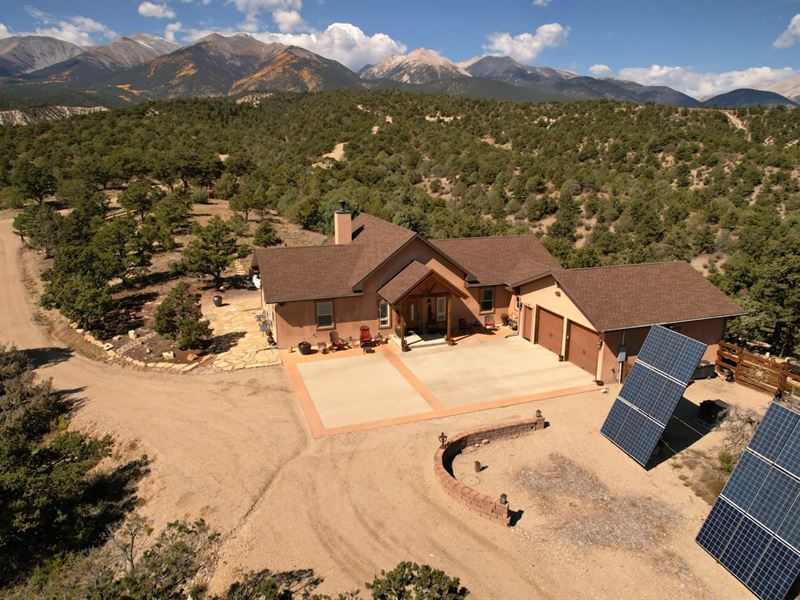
pixel 704 85
pixel 79 30
pixel 343 42
pixel 158 11
pixel 791 34
pixel 171 30
pixel 285 14
pixel 526 46
pixel 541 2
pixel 600 70
pixel 4 32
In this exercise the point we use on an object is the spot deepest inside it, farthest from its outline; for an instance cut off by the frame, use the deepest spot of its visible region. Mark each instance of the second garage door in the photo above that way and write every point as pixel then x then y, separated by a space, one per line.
pixel 582 347
pixel 549 329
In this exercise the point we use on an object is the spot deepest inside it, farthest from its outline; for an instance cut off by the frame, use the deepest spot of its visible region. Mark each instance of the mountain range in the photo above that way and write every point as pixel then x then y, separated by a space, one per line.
pixel 41 70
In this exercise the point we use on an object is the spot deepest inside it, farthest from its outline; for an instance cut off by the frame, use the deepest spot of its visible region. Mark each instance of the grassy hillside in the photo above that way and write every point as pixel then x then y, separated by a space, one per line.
pixel 604 182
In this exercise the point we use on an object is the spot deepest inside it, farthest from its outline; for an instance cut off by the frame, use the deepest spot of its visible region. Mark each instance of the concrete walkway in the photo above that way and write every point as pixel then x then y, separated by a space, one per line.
pixel 351 391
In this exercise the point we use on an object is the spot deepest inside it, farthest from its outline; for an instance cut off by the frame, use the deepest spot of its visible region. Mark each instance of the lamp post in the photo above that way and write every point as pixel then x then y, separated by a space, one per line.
pixel 443 439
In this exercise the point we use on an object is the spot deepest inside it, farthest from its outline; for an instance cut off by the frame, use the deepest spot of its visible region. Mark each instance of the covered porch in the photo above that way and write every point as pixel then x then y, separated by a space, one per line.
pixel 421 303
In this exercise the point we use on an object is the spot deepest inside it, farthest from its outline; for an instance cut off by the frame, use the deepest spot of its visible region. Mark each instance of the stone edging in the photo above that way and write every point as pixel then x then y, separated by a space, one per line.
pixel 462 493
pixel 112 354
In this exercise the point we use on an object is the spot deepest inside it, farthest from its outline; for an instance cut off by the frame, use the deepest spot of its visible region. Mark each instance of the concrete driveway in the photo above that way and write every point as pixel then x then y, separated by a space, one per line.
pixel 492 370
pixel 350 391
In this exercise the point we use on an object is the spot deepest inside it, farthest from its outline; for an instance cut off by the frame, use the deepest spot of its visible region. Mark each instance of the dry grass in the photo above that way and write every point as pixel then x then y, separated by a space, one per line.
pixel 582 515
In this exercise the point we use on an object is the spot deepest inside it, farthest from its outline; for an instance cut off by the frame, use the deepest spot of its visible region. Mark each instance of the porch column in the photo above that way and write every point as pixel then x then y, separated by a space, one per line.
pixel 448 336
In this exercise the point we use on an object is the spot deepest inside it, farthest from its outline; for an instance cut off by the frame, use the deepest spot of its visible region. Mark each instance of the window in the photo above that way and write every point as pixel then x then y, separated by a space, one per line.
pixel 324 314
pixel 384 316
pixel 487 300
pixel 441 308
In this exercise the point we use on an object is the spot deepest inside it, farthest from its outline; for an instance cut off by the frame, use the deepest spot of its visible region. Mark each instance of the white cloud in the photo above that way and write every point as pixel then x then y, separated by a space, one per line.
pixel 4 32
pixel 704 85
pixel 791 35
pixel 79 30
pixel 600 70
pixel 541 2
pixel 157 11
pixel 339 41
pixel 171 29
pixel 285 14
pixel 525 46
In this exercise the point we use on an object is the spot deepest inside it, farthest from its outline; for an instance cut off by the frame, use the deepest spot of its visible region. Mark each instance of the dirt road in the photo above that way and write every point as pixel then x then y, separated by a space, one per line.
pixel 233 448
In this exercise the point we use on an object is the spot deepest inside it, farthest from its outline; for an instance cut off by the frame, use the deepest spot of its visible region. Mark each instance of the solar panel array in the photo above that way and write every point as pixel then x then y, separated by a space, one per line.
pixel 650 394
pixel 753 529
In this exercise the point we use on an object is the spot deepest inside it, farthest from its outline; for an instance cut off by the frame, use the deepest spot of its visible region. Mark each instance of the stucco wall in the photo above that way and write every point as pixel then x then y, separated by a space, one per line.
pixel 709 331
pixel 296 321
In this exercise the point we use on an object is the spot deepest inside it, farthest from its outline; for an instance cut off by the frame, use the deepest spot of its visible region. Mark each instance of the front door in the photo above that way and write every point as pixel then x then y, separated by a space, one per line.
pixel 412 314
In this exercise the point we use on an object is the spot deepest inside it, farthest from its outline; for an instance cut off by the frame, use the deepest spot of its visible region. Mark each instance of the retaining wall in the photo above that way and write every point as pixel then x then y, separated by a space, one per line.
pixel 474 500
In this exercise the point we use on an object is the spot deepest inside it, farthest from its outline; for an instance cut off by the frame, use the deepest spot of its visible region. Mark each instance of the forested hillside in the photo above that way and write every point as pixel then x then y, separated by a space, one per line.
pixel 604 182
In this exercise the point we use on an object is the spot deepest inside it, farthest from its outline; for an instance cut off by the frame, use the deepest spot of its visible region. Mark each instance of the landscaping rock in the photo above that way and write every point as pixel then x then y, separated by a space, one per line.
pixel 169 355
pixel 132 334
pixel 191 356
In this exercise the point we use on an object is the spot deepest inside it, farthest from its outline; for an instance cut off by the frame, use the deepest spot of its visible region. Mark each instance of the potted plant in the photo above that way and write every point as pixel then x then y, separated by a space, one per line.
pixel 217 299
pixel 304 347
pixel 504 319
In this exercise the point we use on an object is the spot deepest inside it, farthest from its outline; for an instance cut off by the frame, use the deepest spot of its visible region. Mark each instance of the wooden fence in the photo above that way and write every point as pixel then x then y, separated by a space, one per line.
pixel 752 370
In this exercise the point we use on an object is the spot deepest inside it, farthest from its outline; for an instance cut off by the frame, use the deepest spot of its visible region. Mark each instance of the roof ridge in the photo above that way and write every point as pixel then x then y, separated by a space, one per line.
pixel 274 248
pixel 400 227
pixel 647 264
pixel 487 237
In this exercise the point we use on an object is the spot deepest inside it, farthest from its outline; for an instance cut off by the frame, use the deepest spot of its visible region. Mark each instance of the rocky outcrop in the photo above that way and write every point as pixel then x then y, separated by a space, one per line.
pixel 45 113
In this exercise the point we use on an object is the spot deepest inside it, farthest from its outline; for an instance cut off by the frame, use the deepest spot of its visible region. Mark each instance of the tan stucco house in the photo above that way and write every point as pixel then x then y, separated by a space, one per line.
pixel 395 281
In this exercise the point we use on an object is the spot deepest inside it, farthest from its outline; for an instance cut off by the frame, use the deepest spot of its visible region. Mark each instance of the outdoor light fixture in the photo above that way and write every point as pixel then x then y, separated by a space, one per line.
pixel 503 499
pixel 538 414
pixel 443 439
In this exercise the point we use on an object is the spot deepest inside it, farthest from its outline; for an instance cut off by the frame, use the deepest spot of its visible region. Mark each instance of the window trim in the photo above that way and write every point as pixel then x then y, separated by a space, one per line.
pixel 317 315
pixel 388 324
pixel 443 314
pixel 481 300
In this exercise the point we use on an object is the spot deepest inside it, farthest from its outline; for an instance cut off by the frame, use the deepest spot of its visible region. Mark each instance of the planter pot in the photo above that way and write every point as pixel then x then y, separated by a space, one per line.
pixel 217 299
pixel 304 347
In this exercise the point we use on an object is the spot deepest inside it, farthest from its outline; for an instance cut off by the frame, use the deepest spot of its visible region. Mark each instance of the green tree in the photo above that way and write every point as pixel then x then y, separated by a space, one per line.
pixel 252 195
pixel 179 317
pixel 410 581
pixel 211 251
pixel 226 186
pixel 33 181
pixel 266 236
pixel 82 298
pixel 41 225
pixel 139 198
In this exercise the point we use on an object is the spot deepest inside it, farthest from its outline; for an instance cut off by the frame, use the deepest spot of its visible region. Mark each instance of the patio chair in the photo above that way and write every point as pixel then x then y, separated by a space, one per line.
pixel 488 323
pixel 365 339
pixel 337 343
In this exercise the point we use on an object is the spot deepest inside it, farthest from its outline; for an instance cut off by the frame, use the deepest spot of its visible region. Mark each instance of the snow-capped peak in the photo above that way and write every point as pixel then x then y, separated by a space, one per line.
pixel 419 66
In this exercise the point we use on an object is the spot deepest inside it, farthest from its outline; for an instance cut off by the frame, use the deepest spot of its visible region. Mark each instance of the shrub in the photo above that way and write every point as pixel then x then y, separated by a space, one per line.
pixel 179 317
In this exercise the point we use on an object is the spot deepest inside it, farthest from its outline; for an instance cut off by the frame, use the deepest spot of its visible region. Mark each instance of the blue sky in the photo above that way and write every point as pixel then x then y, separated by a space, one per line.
pixel 699 46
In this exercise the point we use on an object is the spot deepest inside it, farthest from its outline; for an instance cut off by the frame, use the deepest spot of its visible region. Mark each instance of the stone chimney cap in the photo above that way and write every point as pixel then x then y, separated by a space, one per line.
pixel 342 207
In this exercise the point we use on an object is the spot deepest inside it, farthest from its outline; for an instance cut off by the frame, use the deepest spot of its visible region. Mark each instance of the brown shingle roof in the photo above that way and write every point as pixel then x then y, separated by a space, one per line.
pixel 329 271
pixel 307 273
pixel 625 296
pixel 405 281
pixel 501 259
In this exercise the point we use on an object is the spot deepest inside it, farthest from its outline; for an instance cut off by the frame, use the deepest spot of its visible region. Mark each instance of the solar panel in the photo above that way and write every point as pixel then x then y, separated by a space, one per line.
pixel 651 392
pixel 753 530
pixel 671 353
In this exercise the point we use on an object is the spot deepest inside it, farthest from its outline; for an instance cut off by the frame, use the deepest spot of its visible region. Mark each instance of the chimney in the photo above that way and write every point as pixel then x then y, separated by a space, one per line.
pixel 342 225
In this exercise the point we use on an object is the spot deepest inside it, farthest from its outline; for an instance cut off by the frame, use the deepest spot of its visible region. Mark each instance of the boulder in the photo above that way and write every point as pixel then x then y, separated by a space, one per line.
pixel 169 355
pixel 132 334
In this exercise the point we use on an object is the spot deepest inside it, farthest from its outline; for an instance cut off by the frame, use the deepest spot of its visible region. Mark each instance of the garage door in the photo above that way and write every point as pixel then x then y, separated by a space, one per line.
pixel 549 329
pixel 527 322
pixel 582 347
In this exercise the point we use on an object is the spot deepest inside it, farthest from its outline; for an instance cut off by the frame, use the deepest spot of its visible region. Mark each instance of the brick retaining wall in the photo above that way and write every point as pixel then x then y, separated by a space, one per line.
pixel 462 493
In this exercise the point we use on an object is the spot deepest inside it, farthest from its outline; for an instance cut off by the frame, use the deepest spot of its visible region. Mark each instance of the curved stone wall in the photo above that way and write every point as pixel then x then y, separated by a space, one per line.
pixel 473 499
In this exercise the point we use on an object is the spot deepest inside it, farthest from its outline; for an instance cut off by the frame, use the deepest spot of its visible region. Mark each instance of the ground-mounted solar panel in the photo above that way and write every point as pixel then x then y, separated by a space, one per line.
pixel 651 392
pixel 753 530
pixel 671 353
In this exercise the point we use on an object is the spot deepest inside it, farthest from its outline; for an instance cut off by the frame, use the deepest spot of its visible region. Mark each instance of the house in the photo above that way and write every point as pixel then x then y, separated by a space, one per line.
pixel 397 283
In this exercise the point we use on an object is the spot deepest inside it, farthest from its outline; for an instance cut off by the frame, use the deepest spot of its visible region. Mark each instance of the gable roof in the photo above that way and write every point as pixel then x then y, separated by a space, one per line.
pixel 626 296
pixel 411 276
pixel 500 260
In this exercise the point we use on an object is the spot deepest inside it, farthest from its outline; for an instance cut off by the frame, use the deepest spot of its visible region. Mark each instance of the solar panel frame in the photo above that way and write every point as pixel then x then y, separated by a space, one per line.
pixel 650 395
pixel 762 547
